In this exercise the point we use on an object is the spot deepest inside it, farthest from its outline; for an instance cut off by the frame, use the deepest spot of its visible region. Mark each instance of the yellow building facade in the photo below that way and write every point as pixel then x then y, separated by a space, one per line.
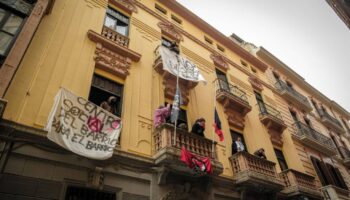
pixel 98 48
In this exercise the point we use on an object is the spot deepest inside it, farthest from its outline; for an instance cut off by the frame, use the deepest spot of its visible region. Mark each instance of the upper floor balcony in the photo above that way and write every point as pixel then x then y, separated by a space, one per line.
pixel 167 152
pixel 331 192
pixel 234 101
pixel 114 36
pixel 271 117
pixel 331 122
pixel 313 139
pixel 255 173
pixel 166 63
pixel 345 154
pixel 292 95
pixel 299 184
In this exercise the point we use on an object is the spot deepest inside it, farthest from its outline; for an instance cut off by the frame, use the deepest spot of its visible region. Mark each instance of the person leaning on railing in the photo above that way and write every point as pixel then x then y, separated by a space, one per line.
pixel 160 115
pixel 199 127
pixel 260 153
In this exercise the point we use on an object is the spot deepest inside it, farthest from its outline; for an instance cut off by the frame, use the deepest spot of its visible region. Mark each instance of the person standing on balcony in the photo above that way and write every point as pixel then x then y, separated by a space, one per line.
pixel 199 127
pixel 237 146
pixel 110 105
pixel 160 115
pixel 260 153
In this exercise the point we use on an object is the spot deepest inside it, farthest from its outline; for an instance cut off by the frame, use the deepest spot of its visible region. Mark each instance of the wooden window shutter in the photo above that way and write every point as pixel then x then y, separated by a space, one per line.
pixel 319 173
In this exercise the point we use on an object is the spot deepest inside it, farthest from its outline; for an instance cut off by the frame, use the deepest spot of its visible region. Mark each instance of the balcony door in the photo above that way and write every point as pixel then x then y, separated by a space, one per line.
pixel 261 103
pixel 223 82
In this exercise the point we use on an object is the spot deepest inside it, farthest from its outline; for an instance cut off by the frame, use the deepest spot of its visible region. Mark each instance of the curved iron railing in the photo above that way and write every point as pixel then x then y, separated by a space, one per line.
pixel 280 85
pixel 266 109
pixel 224 86
pixel 304 130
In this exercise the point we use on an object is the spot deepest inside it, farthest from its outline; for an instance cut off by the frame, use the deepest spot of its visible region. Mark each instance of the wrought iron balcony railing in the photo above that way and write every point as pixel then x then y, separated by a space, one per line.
pixel 224 86
pixel 115 36
pixel 345 154
pixel 314 139
pixel 266 109
pixel 330 121
pixel 292 94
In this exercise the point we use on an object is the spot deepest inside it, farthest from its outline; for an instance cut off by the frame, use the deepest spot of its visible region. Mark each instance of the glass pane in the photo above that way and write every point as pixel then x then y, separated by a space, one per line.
pixel 122 28
pixel 5 40
pixel 2 14
pixel 13 23
pixel 110 22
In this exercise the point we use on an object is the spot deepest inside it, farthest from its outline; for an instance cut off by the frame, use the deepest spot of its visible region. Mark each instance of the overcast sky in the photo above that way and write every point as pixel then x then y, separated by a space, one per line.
pixel 307 35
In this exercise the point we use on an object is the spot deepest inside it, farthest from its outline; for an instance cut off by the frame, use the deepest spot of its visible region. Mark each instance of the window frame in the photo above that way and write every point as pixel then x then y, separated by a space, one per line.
pixel 234 134
pixel 281 159
pixel 112 13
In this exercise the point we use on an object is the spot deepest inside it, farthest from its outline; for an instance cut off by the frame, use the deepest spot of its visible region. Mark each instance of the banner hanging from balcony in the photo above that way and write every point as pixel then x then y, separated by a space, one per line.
pixel 187 70
pixel 199 165
pixel 82 127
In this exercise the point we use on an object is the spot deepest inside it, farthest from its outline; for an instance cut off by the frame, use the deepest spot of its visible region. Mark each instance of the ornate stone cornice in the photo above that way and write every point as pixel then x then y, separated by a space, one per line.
pixel 255 82
pixel 219 61
pixel 126 5
pixel 168 29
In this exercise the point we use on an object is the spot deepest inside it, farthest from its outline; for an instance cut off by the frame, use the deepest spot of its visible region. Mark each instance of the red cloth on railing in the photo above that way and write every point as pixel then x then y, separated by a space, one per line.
pixel 196 163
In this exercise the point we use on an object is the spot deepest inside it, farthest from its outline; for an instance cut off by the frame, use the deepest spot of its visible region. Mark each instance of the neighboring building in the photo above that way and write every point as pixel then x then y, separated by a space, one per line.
pixel 342 8
pixel 100 48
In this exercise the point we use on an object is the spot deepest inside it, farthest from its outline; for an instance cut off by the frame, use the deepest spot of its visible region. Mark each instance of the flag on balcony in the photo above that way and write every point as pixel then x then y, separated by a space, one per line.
pixel 83 127
pixel 174 63
pixel 217 126
pixel 201 165
pixel 176 105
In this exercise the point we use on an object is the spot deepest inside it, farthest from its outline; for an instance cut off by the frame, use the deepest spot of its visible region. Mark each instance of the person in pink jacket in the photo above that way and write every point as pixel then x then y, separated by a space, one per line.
pixel 160 115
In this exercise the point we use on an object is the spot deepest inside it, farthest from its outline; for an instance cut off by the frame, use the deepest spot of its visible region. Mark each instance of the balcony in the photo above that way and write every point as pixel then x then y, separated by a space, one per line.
pixel 313 139
pixel 345 154
pixel 114 36
pixel 169 80
pixel 297 184
pixel 234 101
pixel 255 173
pixel 331 192
pixel 292 95
pixel 331 122
pixel 167 153
pixel 271 117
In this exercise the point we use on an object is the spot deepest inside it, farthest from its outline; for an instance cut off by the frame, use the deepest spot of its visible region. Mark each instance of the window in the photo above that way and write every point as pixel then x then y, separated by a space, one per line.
pixel 316 107
pixel 12 18
pixel 160 9
pixel 181 119
pixel 220 48
pixel 281 160
pixel 102 89
pixel 277 77
pixel 261 103
pixel 81 193
pixel 176 19
pixel 117 21
pixel 234 136
pixel 294 116
pixel 307 121
pixel 208 40
pixel 345 124
pixel 289 84
pixel 166 42
pixel 328 174
pixel 253 70
pixel 223 82
pixel 244 63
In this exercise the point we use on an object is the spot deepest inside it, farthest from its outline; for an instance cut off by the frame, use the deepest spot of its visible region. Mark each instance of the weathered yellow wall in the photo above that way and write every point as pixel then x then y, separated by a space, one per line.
pixel 61 55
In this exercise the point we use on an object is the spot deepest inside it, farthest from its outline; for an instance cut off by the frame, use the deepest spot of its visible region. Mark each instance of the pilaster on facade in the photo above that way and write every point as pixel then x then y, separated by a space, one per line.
pixel 235 103
pixel 331 192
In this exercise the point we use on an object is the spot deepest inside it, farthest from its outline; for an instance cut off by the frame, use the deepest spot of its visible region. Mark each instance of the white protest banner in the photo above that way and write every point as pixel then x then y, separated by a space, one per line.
pixel 187 70
pixel 83 127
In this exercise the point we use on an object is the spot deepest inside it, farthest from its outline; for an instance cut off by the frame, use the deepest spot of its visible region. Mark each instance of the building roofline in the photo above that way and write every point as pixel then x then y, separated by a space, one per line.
pixel 262 52
pixel 212 32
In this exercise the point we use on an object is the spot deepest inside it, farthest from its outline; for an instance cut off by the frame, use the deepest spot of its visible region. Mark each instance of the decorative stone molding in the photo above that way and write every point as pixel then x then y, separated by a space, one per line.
pixel 112 56
pixel 255 82
pixel 96 178
pixel 112 62
pixel 219 61
pixel 127 5
pixel 169 30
